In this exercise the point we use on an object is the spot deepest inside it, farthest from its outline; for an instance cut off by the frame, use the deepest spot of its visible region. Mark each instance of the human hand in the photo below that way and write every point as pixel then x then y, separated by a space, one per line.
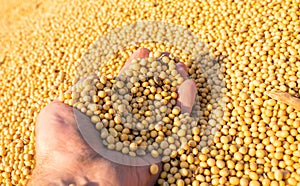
pixel 64 158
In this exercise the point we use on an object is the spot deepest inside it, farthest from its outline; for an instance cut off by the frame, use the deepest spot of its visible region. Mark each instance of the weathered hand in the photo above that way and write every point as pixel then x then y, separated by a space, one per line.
pixel 64 158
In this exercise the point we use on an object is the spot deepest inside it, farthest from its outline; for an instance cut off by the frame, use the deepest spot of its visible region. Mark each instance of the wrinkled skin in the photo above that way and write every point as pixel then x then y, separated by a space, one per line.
pixel 63 157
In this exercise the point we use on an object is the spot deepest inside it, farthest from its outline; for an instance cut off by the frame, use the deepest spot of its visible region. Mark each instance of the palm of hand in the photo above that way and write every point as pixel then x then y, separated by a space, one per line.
pixel 63 157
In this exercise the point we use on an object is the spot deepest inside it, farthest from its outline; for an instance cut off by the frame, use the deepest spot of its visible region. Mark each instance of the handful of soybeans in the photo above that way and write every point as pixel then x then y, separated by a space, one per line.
pixel 136 112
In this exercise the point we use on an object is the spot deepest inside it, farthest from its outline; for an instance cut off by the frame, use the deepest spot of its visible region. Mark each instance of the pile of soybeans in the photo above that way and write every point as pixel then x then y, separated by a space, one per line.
pixel 254 45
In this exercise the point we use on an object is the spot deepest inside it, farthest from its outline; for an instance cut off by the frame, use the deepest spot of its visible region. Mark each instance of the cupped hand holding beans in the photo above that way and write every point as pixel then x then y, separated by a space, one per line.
pixel 64 158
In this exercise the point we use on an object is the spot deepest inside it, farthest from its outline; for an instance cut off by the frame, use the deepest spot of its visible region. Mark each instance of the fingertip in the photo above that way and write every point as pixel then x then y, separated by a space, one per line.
pixel 144 52
pixel 182 69
pixel 182 65
pixel 140 53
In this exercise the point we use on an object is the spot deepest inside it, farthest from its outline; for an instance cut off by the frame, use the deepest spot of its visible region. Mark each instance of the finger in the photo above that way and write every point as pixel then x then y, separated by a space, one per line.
pixel 187 90
pixel 182 70
pixel 140 53
pixel 187 93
